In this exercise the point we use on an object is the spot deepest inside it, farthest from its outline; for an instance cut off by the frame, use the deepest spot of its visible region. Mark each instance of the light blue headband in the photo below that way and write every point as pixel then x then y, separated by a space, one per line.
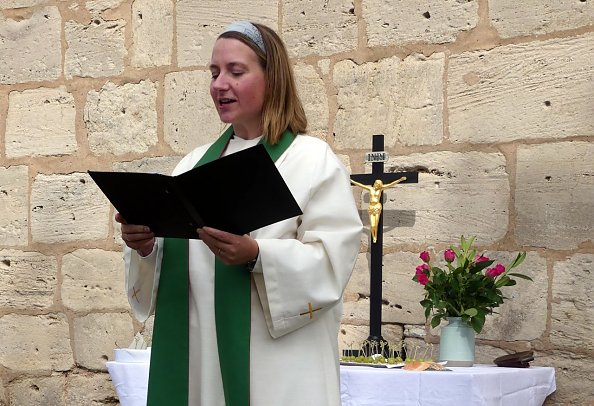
pixel 249 30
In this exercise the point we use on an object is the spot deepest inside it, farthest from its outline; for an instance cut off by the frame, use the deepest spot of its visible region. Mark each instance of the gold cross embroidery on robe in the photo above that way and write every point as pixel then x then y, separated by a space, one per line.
pixel 310 311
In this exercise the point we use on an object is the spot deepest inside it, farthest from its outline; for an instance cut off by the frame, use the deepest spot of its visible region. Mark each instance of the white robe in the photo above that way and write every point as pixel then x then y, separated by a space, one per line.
pixel 304 260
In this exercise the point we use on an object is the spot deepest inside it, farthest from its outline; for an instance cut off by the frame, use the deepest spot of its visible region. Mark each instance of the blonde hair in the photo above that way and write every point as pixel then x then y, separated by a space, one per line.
pixel 282 109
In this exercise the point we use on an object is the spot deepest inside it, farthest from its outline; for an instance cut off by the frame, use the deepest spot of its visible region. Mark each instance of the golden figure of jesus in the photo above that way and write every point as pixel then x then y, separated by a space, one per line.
pixel 375 201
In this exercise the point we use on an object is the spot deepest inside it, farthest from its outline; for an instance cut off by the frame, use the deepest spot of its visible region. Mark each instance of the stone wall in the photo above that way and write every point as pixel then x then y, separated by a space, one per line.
pixel 491 100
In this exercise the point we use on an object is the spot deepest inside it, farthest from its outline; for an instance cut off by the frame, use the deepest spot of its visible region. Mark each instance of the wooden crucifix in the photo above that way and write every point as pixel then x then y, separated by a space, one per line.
pixel 376 182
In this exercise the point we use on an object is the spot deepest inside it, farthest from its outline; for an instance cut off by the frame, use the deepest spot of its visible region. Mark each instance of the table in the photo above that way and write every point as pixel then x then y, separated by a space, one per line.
pixel 482 385
pixel 479 385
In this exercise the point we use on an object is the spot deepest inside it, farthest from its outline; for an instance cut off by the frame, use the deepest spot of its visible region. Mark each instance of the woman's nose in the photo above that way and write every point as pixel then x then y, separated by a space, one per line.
pixel 220 82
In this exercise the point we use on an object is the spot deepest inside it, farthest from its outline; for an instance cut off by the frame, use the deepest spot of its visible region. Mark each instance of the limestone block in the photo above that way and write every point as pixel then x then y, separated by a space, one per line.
pixel 190 118
pixel 33 44
pixel 14 198
pixel 152 23
pixel 538 17
pixel 324 65
pixel 420 101
pixel 415 330
pixel 401 99
pixel 574 376
pixel 68 208
pixel 555 195
pixel 484 354
pixel 38 391
pixel 122 119
pixel 147 330
pixel 93 279
pixel 40 122
pixel 96 7
pixel 390 22
pixel 313 94
pixel 346 161
pixel 86 389
pixel 162 164
pixel 400 294
pixel 96 335
pixel 525 91
pixel 27 280
pixel 94 50
pixel 353 337
pixel 523 315
pixel 457 194
pixel 572 306
pixel 8 4
pixel 46 347
pixel 320 28
pixel 199 23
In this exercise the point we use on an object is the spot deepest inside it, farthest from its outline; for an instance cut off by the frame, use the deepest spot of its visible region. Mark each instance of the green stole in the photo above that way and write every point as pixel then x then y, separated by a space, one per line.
pixel 169 367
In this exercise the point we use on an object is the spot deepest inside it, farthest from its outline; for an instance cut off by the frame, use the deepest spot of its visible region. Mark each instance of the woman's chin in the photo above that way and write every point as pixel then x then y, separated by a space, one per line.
pixel 225 118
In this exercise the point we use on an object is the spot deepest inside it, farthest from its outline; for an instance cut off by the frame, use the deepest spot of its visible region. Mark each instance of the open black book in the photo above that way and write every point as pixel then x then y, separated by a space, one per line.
pixel 237 193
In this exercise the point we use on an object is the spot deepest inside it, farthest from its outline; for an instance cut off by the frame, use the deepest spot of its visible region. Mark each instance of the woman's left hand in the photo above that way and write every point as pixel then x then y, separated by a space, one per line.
pixel 232 249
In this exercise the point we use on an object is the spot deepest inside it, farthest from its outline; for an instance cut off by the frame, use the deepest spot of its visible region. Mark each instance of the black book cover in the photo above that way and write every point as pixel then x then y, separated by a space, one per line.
pixel 237 193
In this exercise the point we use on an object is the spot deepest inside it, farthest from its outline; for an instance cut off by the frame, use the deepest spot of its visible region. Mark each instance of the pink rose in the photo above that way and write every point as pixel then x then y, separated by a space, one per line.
pixel 495 272
pixel 422 268
pixel 480 258
pixel 449 255
pixel 423 279
pixel 424 256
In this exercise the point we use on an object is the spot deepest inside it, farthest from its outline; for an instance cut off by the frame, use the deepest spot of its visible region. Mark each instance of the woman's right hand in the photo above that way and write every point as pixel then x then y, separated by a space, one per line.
pixel 139 238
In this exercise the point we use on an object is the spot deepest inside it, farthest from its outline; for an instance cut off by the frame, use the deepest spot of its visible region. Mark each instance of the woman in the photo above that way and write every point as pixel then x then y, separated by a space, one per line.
pixel 264 309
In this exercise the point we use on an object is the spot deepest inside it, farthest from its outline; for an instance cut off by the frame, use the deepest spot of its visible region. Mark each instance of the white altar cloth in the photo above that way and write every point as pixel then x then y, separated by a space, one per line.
pixel 129 373
pixel 482 385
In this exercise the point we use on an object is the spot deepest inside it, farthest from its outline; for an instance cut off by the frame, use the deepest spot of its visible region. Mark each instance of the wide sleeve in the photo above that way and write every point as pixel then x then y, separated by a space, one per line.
pixel 142 280
pixel 307 274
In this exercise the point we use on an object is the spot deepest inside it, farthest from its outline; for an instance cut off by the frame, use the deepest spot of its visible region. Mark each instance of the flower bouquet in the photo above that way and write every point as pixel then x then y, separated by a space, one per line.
pixel 467 287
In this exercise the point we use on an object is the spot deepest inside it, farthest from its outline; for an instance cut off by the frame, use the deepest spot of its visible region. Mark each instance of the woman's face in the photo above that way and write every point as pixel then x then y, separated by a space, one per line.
pixel 238 86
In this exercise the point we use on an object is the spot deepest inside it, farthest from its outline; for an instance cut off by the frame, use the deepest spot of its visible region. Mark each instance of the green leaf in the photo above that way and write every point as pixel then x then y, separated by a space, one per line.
pixel 519 259
pixel 477 324
pixel 435 321
pixel 482 265
pixel 471 312
pixel 519 275
pixel 502 281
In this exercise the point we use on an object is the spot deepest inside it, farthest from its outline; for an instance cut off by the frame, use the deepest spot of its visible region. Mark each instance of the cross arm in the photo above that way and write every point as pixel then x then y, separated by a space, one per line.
pixel 369 178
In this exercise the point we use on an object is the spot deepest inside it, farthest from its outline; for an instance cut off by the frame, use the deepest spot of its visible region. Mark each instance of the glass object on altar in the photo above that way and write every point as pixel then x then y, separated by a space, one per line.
pixel 396 354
